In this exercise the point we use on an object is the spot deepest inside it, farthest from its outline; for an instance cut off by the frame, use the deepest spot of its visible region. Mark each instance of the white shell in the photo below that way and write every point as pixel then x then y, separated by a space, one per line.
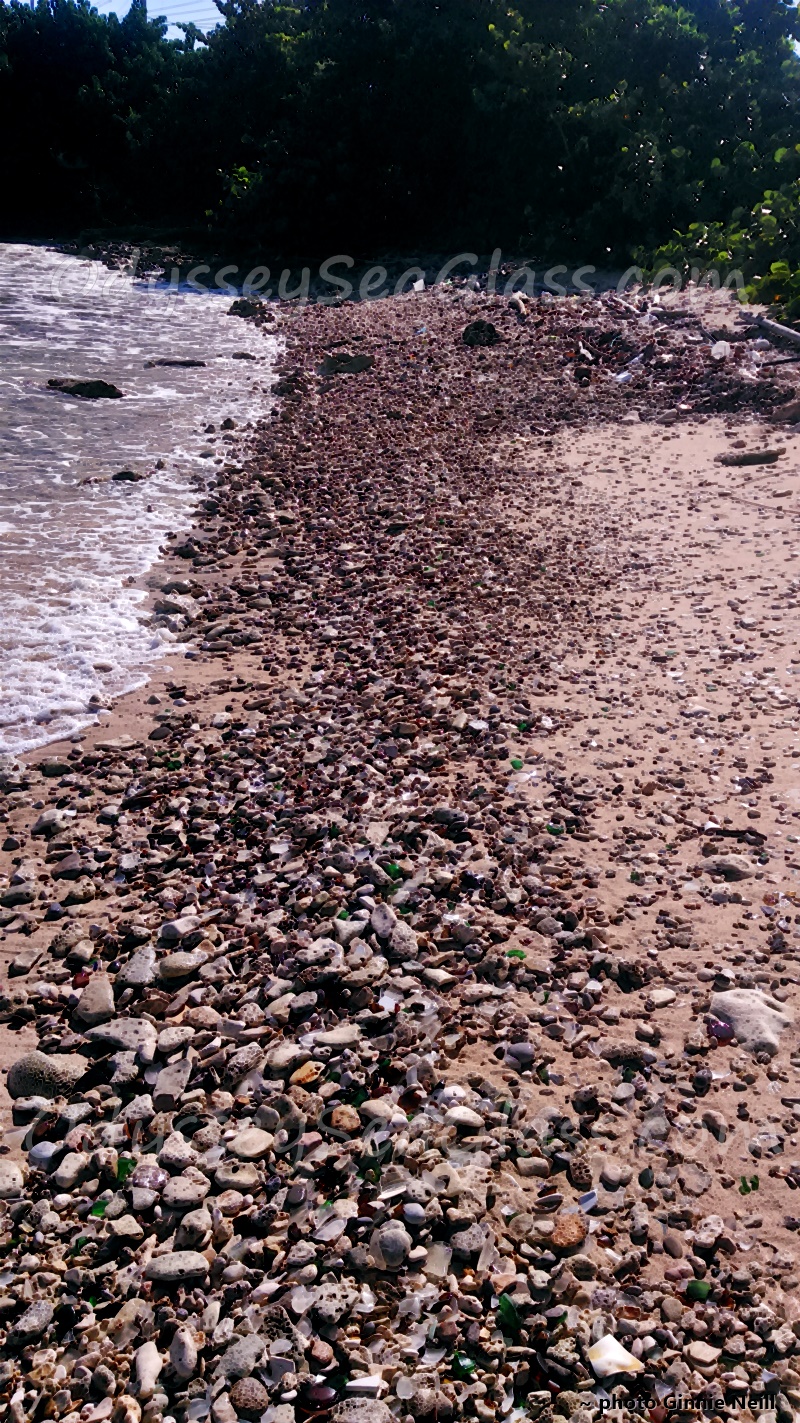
pixel 608 1356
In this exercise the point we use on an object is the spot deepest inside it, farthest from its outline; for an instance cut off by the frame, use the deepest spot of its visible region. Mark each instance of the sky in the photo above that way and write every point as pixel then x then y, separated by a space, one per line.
pixel 203 12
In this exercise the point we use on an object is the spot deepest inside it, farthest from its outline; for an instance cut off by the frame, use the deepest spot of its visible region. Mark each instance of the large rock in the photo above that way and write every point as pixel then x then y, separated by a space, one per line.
pixel 12 1180
pixel 32 1324
pixel 128 1035
pixel 181 1267
pixel 86 389
pixel 732 867
pixel 37 1075
pixel 139 971
pixel 97 1001
pixel 241 1356
pixel 757 1019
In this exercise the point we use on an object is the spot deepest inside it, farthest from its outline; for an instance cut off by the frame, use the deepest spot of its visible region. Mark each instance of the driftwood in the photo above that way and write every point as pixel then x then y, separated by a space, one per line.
pixel 774 328
pixel 752 457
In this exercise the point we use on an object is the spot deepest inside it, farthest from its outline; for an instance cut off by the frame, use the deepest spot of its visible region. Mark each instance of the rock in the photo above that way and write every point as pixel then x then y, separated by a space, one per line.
pixel 243 1060
pixel 171 1039
pixel 343 364
pixel 569 1231
pixel 180 1267
pixel 252 1144
pixel 97 1001
pixel 147 1366
pixel 127 1229
pixel 464 1118
pixel 361 1410
pixel 127 1034
pixel 345 1119
pixel 139 971
pixel 237 1175
pixel 32 1324
pixel 51 822
pixel 695 1181
pixel 700 1354
pixel 481 333
pixel 194 1230
pixel 662 997
pixel 71 1169
pixel 731 867
pixel 12 1180
pixel 345 1035
pixel 614 1174
pixel 170 1085
pixel 241 1357
pixel 40 1075
pixel 183 1353
pixel 470 1242
pixel 184 1193
pixel 394 1244
pixel 716 1124
pixel 182 964
pixel 249 1398
pixel 86 389
pixel 756 1018
pixel 383 920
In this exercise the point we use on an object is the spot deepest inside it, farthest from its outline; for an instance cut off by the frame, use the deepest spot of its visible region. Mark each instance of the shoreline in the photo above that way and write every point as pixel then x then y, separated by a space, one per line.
pixel 413 884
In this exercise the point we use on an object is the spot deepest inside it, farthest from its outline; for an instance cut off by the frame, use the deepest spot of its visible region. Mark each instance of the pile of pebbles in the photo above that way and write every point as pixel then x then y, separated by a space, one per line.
pixel 344 1101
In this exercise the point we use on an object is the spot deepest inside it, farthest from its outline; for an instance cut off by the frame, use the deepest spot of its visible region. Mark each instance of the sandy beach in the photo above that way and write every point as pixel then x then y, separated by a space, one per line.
pixel 451 880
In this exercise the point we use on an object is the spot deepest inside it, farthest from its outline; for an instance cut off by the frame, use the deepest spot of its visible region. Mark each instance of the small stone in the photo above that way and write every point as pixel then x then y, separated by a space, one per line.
pixel 71 1169
pixel 662 997
pixel 32 1324
pixel 139 971
pixel 12 1181
pixel 394 1244
pixel 569 1231
pixel 731 867
pixel 673 1245
pixel 715 1123
pixel 613 1175
pixel 128 1229
pixel 183 1353
pixel 128 1035
pixel 182 964
pixel 249 1398
pixel 241 1357
pixel 464 1118
pixel 470 1242
pixel 147 1366
pixel 237 1175
pixel 170 1085
pixel 700 1354
pixel 185 1193
pixel 346 1119
pixel 97 1001
pixel 252 1144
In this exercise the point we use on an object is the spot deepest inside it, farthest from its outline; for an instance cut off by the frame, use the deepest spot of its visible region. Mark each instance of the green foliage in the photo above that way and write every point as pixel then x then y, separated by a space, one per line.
pixel 763 245
pixel 579 127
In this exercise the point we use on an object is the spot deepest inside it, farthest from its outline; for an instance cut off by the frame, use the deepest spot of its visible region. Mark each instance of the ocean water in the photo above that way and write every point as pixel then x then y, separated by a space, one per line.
pixel 72 541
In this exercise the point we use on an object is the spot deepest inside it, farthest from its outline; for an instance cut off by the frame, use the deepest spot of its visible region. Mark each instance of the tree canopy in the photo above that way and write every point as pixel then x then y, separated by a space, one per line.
pixel 582 127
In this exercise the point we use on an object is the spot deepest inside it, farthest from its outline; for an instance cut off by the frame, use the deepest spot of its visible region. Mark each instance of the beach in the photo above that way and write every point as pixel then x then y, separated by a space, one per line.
pixel 422 945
